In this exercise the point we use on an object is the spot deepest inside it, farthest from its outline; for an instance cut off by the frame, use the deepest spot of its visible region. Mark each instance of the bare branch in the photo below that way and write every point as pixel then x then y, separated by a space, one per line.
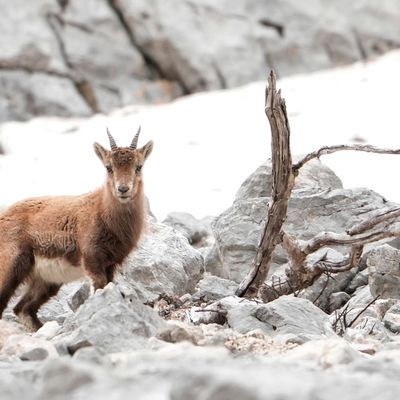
pixel 332 149
pixel 382 217
pixel 324 239
pixel 292 247
pixel 301 274
pixel 352 261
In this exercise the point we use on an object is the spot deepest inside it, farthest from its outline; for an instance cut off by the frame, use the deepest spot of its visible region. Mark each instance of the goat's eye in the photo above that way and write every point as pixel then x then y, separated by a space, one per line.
pixel 138 168
pixel 109 169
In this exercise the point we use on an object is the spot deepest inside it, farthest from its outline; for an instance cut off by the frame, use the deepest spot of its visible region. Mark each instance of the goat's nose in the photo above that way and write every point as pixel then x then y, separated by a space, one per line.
pixel 123 189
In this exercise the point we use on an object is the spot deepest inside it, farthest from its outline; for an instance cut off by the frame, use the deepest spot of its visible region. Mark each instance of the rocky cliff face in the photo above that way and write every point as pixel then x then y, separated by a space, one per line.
pixel 73 58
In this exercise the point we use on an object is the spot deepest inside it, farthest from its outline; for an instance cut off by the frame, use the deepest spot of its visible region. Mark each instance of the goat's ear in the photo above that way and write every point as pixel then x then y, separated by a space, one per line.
pixel 147 149
pixel 100 151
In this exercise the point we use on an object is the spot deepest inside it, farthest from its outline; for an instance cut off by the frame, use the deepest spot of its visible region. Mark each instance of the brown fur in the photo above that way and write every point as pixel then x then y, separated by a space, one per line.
pixel 95 231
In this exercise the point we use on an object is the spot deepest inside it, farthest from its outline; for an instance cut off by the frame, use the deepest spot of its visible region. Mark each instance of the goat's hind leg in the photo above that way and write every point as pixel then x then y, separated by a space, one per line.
pixel 13 271
pixel 37 293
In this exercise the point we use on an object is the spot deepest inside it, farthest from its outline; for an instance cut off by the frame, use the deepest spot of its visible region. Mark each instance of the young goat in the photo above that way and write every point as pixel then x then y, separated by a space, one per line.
pixel 49 241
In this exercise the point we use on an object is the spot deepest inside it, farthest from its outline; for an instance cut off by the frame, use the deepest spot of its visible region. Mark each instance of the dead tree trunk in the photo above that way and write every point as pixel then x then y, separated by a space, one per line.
pixel 282 185
pixel 300 274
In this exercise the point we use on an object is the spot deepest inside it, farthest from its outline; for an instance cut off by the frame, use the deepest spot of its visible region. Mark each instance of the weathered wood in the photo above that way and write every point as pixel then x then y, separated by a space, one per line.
pixel 388 215
pixel 324 239
pixel 301 273
pixel 282 185
pixel 333 149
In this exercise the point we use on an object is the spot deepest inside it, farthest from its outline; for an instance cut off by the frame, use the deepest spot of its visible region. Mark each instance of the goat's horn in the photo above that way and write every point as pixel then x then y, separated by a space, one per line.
pixel 113 145
pixel 135 140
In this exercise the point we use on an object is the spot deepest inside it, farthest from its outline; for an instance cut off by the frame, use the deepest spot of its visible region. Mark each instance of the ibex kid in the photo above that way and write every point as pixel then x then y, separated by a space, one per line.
pixel 49 241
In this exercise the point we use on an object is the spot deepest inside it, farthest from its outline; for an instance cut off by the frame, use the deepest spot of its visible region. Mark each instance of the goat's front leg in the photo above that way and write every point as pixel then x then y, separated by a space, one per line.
pixel 96 272
pixel 110 272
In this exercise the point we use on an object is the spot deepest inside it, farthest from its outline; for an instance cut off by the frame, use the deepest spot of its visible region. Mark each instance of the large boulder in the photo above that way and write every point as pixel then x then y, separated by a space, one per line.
pixel 214 288
pixel 27 41
pixel 8 329
pixel 165 263
pixel 28 348
pixel 66 302
pixel 384 272
pixel 190 51
pixel 23 96
pixel 81 53
pixel 392 318
pixel 99 51
pixel 318 203
pixel 111 320
pixel 286 319
pixel 31 59
pixel 196 231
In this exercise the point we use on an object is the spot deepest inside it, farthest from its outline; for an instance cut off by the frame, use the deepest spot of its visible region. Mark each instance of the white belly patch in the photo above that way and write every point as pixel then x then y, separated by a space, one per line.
pixel 57 270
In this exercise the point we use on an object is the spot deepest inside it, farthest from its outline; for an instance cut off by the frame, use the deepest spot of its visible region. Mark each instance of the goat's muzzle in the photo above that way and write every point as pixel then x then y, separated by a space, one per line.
pixel 124 192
